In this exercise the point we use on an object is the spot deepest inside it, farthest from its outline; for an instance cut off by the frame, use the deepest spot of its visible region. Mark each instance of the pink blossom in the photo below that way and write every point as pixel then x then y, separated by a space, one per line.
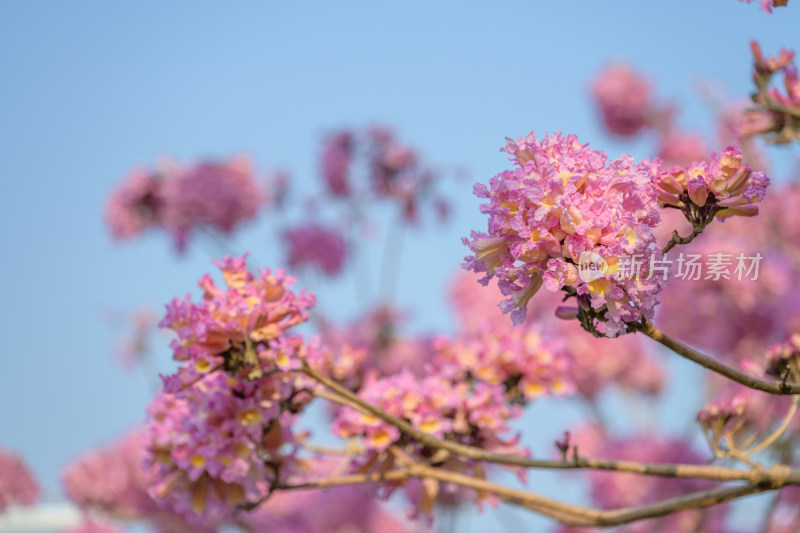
pixel 594 363
pixel 136 204
pixel 210 195
pixel 336 161
pixel 221 430
pixel 315 246
pixel 112 479
pixel 476 414
pixel 624 99
pixel 563 201
pixel 17 484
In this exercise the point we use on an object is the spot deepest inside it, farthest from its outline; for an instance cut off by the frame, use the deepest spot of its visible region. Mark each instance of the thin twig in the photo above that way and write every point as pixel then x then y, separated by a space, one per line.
pixel 769 441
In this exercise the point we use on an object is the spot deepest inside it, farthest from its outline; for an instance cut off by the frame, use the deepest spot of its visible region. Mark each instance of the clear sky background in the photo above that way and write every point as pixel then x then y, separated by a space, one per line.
pixel 90 89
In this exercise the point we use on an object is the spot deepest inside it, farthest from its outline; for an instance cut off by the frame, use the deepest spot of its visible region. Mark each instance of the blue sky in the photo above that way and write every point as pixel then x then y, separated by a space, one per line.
pixel 91 89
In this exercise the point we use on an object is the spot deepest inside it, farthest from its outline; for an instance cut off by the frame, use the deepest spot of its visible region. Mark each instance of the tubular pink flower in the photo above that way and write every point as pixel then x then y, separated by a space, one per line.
pixel 697 191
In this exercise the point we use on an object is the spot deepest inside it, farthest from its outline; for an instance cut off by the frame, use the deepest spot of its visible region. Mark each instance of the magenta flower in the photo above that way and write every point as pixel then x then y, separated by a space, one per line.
pixel 17 484
pixel 210 195
pixel 336 162
pixel 624 99
pixel 112 479
pixel 477 414
pixel 315 246
pixel 562 203
pixel 136 205
pixel 220 433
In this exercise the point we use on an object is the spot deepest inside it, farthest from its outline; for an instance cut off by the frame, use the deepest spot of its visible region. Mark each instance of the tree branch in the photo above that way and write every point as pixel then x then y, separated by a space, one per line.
pixel 778 473
pixel 772 387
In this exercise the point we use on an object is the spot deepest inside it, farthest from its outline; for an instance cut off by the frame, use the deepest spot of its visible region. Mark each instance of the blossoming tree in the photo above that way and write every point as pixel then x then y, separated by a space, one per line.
pixel 585 265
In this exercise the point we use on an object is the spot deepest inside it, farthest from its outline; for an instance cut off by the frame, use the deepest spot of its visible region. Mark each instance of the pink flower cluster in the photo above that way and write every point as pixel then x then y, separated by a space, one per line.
pixel 594 363
pixel 17 484
pixel 783 360
pixel 776 112
pixel 565 201
pixel 524 362
pixel 392 170
pixel 724 187
pixel 624 98
pixel 475 414
pixel 208 195
pixel 317 247
pixel 218 432
pixel 111 479
pixel 733 319
pixel 217 444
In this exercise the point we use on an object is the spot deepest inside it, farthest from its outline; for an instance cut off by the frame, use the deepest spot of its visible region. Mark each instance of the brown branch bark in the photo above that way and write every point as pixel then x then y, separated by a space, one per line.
pixel 772 387
pixel 778 473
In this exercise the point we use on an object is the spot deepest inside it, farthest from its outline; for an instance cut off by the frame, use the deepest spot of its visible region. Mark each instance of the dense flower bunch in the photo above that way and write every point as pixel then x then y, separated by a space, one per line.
pixel 219 433
pixel 593 363
pixel 317 247
pixel 783 360
pixel 475 414
pixel 17 484
pixel 563 203
pixel 392 170
pixel 724 188
pixel 777 114
pixel 208 195
pixel 111 479
pixel 525 363
pixel 624 98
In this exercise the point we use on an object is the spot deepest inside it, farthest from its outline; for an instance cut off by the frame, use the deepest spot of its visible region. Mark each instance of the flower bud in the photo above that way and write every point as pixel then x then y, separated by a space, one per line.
pixel 668 183
pixel 697 191
pixel 738 181
pixel 566 312
pixel 729 161
pixel 665 198
pixel 748 210
pixel 680 176
pixel 718 185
